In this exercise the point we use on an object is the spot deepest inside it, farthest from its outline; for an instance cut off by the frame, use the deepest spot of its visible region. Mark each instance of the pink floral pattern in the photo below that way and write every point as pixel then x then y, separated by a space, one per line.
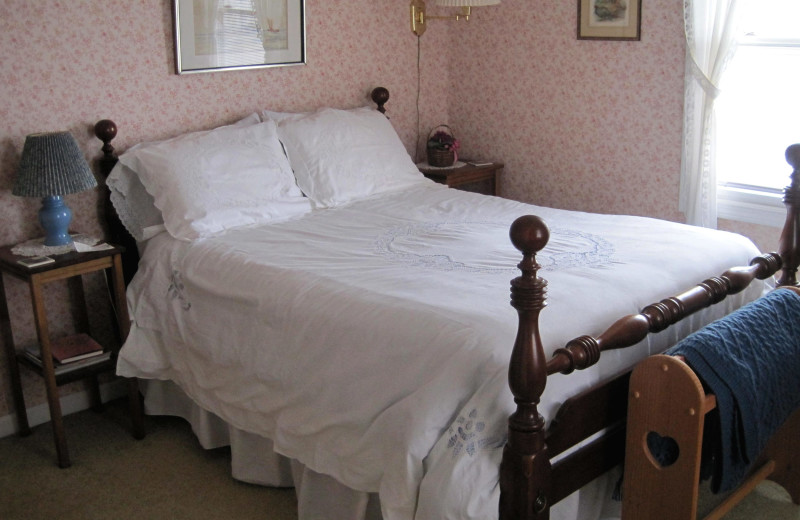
pixel 585 125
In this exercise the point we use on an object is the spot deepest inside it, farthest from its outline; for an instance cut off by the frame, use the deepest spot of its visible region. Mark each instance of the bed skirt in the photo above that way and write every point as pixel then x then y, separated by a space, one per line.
pixel 254 461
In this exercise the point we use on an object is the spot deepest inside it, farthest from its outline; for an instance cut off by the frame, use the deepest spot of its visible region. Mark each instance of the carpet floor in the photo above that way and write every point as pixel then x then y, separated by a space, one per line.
pixel 167 475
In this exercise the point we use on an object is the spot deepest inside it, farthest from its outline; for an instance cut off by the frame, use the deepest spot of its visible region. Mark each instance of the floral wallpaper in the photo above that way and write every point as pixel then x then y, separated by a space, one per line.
pixel 586 125
pixel 69 63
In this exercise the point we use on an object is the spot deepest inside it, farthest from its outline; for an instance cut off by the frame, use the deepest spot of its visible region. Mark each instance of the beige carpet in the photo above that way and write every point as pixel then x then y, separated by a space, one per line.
pixel 167 475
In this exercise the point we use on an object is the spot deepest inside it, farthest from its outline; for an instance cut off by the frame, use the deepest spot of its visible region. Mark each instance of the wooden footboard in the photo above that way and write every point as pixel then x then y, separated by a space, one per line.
pixel 529 484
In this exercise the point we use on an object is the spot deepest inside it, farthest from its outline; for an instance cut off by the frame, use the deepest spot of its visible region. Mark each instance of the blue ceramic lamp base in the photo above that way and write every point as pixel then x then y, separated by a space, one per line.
pixel 55 217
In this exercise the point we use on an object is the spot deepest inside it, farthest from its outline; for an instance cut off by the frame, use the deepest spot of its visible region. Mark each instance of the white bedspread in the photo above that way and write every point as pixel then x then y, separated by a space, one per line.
pixel 371 342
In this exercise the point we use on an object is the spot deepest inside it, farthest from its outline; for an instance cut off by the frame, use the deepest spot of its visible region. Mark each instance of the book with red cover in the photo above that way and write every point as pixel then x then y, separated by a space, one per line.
pixel 74 348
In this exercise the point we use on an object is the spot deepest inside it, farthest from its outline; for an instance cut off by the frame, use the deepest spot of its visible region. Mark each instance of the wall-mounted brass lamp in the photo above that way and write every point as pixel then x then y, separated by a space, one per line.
pixel 419 18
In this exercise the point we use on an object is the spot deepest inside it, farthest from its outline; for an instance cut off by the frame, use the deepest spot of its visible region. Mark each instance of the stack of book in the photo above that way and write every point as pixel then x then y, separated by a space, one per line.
pixel 70 350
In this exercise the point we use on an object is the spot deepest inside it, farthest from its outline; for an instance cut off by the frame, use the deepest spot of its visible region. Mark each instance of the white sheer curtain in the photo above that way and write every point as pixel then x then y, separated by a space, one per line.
pixel 710 41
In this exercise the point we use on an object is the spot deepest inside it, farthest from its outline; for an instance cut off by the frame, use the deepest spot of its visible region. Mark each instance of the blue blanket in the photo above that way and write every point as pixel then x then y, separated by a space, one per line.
pixel 750 360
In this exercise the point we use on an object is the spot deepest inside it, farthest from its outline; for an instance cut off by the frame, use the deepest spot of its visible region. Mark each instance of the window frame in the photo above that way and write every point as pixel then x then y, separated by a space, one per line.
pixel 754 204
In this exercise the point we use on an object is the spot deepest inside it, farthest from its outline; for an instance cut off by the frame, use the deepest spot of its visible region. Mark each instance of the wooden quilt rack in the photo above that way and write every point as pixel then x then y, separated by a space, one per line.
pixel 666 398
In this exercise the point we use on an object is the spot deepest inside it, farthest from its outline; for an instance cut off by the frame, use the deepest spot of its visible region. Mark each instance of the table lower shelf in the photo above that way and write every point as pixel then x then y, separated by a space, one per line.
pixel 69 372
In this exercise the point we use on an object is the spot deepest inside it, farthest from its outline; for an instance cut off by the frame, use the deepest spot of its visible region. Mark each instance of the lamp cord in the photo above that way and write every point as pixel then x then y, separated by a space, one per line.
pixel 419 75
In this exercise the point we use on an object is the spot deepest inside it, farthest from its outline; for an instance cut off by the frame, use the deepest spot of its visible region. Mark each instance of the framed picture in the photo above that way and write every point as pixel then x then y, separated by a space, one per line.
pixel 216 35
pixel 609 19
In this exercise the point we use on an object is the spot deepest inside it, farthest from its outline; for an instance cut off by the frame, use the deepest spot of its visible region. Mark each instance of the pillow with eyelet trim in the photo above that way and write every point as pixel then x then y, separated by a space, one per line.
pixel 135 207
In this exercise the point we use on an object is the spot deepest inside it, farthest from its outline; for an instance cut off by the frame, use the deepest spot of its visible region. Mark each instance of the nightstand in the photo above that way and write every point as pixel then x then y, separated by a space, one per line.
pixel 70 267
pixel 479 179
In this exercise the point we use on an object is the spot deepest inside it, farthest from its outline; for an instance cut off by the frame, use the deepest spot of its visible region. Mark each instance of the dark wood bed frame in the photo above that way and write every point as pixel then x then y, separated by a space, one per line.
pixel 530 484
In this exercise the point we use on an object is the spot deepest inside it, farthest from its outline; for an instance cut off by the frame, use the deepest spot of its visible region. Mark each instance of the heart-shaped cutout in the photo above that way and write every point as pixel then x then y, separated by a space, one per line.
pixel 664 450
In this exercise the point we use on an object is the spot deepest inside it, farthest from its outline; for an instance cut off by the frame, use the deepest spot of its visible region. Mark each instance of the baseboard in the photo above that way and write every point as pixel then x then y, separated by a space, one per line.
pixel 71 403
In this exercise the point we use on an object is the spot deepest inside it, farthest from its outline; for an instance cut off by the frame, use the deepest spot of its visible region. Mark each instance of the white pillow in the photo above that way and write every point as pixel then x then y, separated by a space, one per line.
pixel 208 182
pixel 339 156
pixel 134 205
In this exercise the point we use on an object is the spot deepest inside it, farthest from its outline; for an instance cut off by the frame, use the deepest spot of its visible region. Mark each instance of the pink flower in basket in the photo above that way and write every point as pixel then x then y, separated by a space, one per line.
pixel 442 149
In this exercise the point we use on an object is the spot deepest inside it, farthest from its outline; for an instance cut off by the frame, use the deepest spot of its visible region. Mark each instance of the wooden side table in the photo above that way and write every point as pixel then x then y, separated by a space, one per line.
pixel 479 179
pixel 68 266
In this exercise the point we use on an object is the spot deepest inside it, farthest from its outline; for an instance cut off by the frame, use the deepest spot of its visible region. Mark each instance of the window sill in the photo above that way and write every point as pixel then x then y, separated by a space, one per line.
pixel 753 206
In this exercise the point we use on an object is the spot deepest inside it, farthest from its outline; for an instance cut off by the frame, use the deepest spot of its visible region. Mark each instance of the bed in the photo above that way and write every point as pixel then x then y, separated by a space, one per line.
pixel 343 322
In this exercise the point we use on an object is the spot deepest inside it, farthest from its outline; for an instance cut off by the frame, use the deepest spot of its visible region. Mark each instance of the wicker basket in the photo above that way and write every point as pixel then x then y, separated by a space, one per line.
pixel 441 158
pixel 438 157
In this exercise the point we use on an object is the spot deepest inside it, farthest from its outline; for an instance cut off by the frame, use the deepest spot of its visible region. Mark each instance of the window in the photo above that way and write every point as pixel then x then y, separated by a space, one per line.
pixel 757 113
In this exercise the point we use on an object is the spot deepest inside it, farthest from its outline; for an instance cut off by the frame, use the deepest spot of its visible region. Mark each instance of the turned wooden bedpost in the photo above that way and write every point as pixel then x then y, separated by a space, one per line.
pixel 525 470
pixel 789 247
pixel 106 131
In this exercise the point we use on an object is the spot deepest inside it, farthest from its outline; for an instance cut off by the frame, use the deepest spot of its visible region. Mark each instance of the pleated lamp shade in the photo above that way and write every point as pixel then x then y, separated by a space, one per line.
pixel 466 3
pixel 52 164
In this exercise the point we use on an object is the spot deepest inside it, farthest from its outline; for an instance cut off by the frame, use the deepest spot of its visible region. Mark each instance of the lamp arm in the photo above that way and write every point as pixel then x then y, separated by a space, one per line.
pixel 466 11
pixel 419 16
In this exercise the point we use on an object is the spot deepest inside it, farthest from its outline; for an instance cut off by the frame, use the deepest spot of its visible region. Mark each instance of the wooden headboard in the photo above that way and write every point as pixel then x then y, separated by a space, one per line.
pixel 106 131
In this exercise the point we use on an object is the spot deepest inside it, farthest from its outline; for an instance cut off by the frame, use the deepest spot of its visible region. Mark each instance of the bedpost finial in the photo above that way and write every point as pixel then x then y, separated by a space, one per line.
pixel 793 156
pixel 380 95
pixel 105 130
pixel 529 234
